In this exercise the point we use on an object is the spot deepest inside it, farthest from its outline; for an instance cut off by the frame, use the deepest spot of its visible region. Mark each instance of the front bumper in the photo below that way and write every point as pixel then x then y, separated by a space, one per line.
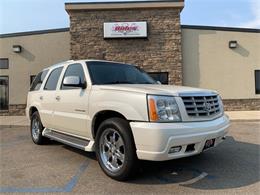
pixel 154 140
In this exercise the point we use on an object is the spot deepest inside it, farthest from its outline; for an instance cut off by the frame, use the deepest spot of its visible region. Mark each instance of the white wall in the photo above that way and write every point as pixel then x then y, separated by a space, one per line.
pixel 208 62
pixel 39 51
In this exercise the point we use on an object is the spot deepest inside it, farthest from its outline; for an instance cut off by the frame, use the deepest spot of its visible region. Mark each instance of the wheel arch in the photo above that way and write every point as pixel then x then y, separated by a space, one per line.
pixel 102 116
pixel 32 110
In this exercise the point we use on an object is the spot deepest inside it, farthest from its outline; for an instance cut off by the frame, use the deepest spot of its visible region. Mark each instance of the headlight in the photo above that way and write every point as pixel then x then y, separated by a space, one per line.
pixel 163 108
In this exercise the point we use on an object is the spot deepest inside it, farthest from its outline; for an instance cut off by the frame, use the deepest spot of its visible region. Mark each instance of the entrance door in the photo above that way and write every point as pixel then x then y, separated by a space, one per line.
pixel 4 99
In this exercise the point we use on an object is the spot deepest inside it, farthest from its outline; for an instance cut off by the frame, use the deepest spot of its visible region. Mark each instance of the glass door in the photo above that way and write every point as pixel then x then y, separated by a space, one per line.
pixel 4 99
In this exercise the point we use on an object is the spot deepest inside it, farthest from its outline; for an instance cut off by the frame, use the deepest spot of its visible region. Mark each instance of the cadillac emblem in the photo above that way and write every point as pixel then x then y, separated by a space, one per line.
pixel 207 106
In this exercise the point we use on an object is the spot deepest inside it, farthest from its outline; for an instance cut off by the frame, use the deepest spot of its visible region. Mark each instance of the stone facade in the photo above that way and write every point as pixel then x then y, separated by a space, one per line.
pixel 160 52
pixel 14 110
pixel 241 104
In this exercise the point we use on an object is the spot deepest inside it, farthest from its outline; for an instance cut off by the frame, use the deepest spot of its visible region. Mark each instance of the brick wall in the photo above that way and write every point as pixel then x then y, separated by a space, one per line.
pixel 160 52
pixel 14 110
pixel 241 104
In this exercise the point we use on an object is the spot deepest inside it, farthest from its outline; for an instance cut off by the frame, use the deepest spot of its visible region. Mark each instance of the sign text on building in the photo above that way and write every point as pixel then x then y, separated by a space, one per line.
pixel 125 30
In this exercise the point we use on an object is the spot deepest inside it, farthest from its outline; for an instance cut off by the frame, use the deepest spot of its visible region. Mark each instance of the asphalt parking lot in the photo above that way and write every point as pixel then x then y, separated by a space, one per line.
pixel 232 167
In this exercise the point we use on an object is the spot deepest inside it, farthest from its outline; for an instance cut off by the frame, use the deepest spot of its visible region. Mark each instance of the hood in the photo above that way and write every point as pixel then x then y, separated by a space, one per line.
pixel 154 89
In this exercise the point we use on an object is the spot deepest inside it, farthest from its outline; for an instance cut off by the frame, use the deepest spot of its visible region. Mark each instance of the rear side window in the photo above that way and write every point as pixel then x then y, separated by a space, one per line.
pixel 37 82
pixel 53 79
pixel 74 70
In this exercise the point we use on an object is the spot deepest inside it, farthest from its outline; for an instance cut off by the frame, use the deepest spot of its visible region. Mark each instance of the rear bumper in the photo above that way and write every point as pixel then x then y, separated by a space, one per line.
pixel 154 140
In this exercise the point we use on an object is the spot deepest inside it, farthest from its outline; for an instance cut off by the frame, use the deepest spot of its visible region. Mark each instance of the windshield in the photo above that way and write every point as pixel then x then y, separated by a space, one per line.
pixel 103 73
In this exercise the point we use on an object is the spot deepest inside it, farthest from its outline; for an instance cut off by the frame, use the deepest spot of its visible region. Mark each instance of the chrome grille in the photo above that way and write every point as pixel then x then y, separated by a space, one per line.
pixel 201 106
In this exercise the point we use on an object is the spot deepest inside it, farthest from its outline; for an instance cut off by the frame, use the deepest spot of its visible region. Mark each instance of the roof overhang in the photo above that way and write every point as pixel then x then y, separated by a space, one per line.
pixel 124 5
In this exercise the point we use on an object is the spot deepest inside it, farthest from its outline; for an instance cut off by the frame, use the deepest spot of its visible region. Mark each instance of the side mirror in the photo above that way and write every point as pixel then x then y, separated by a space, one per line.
pixel 74 81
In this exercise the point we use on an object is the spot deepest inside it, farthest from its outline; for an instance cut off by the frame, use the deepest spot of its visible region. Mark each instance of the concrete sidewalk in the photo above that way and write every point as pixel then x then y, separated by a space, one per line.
pixel 234 115
pixel 14 121
pixel 244 115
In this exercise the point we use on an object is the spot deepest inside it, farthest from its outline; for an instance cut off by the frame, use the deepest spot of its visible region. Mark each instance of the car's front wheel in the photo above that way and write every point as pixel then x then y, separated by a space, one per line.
pixel 115 149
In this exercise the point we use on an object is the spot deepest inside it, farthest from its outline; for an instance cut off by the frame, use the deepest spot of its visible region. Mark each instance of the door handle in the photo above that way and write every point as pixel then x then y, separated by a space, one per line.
pixel 41 97
pixel 58 98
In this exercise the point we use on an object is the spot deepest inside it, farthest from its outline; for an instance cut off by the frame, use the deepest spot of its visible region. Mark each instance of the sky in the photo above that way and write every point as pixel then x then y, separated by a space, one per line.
pixel 30 15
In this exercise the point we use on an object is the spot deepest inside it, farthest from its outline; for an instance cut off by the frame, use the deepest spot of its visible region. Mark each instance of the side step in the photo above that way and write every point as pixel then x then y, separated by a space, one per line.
pixel 68 139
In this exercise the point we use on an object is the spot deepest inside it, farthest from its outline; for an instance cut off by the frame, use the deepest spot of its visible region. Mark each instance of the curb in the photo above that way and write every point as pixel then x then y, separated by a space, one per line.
pixel 245 120
pixel 11 126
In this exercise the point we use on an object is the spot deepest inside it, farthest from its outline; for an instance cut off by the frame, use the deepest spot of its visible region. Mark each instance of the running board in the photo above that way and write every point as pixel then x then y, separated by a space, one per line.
pixel 70 140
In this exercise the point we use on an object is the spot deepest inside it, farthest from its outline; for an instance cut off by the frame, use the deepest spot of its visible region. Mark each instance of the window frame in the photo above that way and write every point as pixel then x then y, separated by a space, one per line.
pixel 8 94
pixel 7 63
pixel 65 71
pixel 48 77
pixel 257 91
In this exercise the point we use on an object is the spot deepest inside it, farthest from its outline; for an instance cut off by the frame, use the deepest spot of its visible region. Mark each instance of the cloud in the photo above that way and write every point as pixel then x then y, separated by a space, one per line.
pixel 255 22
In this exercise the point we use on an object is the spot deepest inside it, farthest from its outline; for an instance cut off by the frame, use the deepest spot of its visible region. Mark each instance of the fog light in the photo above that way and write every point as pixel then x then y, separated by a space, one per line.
pixel 175 149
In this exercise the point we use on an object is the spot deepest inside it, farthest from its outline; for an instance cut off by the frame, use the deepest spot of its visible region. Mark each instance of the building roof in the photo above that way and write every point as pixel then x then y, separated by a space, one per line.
pixel 218 28
pixel 195 27
pixel 124 5
pixel 123 2
pixel 37 32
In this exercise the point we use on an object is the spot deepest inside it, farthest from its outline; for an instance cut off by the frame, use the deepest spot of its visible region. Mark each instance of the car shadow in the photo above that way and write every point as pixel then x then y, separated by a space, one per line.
pixel 90 155
pixel 232 164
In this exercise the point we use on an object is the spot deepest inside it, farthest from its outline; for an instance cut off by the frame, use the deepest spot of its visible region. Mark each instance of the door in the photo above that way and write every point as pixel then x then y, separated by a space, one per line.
pixel 71 109
pixel 48 98
pixel 4 99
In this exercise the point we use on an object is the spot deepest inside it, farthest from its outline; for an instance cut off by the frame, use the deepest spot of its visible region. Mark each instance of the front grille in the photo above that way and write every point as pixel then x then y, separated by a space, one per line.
pixel 201 106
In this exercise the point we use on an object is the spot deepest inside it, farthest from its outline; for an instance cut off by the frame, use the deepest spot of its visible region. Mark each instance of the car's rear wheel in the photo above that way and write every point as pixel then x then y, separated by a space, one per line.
pixel 115 149
pixel 36 129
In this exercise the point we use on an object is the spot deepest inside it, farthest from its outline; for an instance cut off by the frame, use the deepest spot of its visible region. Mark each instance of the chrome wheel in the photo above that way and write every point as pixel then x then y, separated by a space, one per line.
pixel 35 128
pixel 112 150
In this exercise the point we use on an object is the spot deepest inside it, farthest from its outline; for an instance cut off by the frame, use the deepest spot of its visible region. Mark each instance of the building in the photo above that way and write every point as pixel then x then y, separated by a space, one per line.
pixel 148 34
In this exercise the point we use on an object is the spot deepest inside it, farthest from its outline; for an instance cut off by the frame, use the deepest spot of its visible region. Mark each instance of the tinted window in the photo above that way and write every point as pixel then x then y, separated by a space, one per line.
pixel 257 81
pixel 160 76
pixel 4 63
pixel 74 70
pixel 37 82
pixel 115 73
pixel 52 81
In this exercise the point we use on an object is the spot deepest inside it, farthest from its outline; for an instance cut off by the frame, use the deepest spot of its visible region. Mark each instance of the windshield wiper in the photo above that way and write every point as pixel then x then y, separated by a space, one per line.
pixel 118 82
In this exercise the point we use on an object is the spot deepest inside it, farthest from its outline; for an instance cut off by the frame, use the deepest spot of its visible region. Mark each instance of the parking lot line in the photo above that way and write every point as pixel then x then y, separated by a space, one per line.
pixel 194 180
pixel 67 188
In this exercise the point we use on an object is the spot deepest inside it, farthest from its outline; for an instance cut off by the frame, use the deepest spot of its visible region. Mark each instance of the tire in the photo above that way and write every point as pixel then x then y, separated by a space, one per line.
pixel 115 149
pixel 36 129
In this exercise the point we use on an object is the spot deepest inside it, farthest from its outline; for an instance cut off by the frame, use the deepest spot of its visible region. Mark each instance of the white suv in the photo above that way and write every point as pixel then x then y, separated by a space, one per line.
pixel 122 114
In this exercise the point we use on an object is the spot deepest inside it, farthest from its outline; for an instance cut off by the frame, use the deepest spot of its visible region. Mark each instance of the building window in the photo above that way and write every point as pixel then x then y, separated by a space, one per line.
pixel 32 77
pixel 257 81
pixel 4 99
pixel 4 63
pixel 160 76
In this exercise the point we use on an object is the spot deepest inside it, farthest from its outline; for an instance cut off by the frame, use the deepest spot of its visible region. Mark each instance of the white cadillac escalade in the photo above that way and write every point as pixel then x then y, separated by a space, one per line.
pixel 122 114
